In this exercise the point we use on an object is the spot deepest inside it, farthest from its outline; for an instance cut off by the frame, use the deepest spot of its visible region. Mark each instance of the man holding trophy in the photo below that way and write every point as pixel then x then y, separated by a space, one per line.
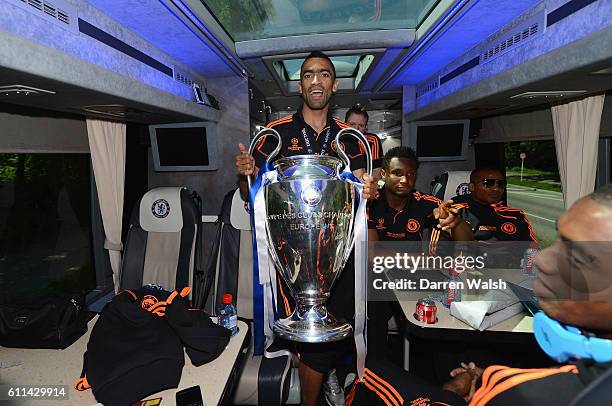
pixel 312 131
pixel 312 212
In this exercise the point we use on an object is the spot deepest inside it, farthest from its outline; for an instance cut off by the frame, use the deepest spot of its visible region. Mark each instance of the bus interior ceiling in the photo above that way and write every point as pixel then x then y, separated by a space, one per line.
pixel 135 61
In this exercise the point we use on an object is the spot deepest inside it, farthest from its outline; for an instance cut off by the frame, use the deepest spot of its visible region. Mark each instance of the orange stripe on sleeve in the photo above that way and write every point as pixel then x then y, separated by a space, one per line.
pixel 351 394
pixel 280 121
pixel 341 123
pixel 385 383
pixel 261 142
pixel 531 232
pixel 496 373
pixel 380 394
pixel 170 298
pixel 490 378
pixel 375 145
pixel 518 379
pixel 431 199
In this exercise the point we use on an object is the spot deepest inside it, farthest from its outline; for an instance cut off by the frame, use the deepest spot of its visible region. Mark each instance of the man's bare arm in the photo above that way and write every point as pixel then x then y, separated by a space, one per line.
pixel 245 163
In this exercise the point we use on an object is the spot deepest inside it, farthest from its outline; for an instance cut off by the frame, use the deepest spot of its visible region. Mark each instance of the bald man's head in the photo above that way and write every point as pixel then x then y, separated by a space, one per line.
pixel 574 282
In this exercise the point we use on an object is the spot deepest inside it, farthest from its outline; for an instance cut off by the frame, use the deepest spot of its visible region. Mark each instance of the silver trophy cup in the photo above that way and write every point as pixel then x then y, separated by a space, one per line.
pixel 309 227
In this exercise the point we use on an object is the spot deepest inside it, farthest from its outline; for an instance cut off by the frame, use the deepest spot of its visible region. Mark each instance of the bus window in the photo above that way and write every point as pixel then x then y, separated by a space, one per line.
pixel 534 185
pixel 45 228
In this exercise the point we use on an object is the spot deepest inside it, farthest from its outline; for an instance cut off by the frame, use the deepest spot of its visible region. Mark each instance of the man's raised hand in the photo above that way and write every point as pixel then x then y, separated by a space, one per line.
pixel 370 190
pixel 447 216
pixel 244 161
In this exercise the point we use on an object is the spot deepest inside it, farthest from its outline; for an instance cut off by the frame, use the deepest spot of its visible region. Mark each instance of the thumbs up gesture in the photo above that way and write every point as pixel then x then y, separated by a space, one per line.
pixel 244 161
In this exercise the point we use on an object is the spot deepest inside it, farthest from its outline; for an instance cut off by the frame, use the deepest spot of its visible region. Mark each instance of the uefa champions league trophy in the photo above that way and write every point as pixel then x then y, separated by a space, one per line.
pixel 309 223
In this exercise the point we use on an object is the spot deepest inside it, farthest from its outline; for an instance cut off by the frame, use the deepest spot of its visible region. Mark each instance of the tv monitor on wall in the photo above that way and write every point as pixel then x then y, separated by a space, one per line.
pixel 441 140
pixel 184 147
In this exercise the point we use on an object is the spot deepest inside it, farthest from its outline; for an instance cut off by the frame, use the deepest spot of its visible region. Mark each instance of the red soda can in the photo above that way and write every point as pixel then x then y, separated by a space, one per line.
pixel 426 311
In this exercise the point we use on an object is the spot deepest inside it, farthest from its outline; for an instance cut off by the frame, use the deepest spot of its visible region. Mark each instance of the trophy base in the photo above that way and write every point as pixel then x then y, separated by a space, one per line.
pixel 316 325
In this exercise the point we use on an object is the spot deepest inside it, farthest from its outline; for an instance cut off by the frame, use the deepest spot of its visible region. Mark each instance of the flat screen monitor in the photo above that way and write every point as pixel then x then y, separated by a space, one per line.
pixel 184 147
pixel 441 140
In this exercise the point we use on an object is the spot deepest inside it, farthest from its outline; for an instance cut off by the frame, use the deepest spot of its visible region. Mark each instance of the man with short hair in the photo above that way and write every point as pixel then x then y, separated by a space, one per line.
pixel 357 117
pixel 574 290
pixel 495 220
pixel 312 130
pixel 400 213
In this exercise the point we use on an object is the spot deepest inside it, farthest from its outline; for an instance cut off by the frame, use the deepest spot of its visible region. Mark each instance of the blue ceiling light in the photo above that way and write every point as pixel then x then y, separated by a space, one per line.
pixel 151 20
pixel 425 41
pixel 223 52
pixel 439 48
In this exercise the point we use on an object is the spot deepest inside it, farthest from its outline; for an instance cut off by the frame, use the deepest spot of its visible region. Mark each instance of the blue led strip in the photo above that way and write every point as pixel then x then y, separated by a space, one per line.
pixel 472 63
pixel 425 41
pixel 566 10
pixel 105 38
pixel 210 39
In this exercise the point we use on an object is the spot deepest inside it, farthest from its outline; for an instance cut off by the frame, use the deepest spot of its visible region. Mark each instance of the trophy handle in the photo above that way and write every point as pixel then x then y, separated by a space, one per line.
pixel 347 163
pixel 262 133
pixel 360 137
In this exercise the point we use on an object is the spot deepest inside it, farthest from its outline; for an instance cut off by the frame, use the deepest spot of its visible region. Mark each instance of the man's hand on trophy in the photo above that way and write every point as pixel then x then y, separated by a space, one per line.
pixel 370 190
pixel 448 217
pixel 244 161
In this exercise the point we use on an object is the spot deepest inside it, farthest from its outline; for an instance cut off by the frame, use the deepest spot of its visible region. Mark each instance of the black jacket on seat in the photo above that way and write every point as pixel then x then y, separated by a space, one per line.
pixel 136 346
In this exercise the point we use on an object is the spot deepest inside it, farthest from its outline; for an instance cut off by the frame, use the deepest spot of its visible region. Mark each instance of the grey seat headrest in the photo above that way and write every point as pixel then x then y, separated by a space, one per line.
pixel 160 210
pixel 240 217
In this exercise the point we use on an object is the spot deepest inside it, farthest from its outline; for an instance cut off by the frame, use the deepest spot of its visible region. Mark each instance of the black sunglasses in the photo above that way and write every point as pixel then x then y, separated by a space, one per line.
pixel 489 183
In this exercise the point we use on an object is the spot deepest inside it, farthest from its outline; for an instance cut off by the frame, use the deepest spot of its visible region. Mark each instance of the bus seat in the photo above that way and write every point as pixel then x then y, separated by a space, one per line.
pixel 163 244
pixel 262 380
pixel 450 184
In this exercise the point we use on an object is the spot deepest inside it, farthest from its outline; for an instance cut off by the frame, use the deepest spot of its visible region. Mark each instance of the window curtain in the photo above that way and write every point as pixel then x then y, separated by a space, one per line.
pixel 107 146
pixel 576 127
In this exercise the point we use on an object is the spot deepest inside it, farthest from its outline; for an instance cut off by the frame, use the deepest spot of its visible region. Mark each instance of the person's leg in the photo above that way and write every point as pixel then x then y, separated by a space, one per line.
pixel 317 360
pixel 379 314
pixel 386 384
pixel 310 384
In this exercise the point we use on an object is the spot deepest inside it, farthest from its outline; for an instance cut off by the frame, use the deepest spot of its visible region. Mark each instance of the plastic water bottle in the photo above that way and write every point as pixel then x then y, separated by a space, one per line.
pixel 228 315
pixel 452 293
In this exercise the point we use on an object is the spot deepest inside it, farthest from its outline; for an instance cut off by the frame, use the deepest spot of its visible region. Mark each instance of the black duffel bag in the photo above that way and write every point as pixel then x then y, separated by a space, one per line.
pixel 49 322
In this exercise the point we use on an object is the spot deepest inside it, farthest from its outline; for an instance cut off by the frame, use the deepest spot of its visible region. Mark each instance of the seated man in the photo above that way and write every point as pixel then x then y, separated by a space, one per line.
pixel 573 287
pixel 495 220
pixel 400 213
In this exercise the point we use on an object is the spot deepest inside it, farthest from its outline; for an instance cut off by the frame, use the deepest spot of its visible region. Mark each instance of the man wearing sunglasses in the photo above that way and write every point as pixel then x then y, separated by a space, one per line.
pixel 495 221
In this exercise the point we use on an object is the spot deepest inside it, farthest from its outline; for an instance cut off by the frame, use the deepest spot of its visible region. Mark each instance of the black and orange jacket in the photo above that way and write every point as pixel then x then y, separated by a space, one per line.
pixel 496 221
pixel 415 222
pixel 295 134
pixel 377 152
pixel 386 384
pixel 136 346
pixel 505 386
pixel 514 386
